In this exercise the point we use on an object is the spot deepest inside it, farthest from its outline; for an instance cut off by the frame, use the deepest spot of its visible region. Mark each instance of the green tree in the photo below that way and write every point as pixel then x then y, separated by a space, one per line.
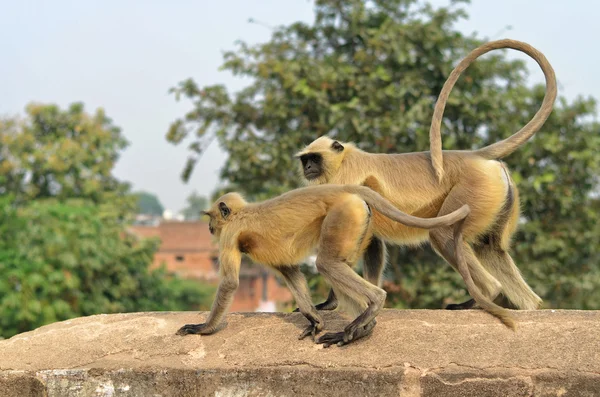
pixel 370 72
pixel 65 247
pixel 195 204
pixel 62 153
pixel 149 204
pixel 75 258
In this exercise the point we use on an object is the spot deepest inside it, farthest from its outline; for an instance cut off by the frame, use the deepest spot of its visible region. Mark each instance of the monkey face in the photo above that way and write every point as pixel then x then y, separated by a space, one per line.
pixel 312 165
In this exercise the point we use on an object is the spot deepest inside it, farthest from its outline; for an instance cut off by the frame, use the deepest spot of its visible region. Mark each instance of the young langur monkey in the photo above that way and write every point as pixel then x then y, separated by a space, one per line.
pixel 434 183
pixel 281 232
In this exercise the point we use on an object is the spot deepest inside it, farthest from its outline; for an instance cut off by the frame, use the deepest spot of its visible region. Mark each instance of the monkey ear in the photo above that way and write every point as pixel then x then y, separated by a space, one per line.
pixel 338 147
pixel 225 211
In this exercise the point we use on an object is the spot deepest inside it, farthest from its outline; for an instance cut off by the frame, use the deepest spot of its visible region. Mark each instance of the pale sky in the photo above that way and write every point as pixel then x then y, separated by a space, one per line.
pixel 125 55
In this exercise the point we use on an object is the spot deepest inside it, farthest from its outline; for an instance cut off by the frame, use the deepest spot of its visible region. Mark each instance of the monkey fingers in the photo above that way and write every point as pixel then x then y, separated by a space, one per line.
pixel 201 329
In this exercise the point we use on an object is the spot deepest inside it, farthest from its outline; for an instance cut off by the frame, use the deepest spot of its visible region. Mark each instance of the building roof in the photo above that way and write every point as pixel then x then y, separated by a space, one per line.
pixel 178 236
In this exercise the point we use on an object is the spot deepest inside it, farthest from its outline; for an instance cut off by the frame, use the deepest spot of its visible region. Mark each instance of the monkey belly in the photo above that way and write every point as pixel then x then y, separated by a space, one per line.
pixel 398 233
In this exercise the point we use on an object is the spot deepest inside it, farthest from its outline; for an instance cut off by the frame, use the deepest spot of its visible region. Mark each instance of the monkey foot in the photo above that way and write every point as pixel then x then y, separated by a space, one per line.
pixel 350 334
pixel 331 338
pixel 201 329
pixel 461 306
pixel 327 305
pixel 312 330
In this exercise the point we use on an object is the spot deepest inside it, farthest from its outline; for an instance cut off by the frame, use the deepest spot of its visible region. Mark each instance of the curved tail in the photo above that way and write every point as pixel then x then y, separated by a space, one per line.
pixel 510 144
pixel 386 208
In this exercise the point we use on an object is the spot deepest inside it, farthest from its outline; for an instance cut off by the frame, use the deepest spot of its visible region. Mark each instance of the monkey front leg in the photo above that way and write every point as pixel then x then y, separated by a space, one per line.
pixel 230 265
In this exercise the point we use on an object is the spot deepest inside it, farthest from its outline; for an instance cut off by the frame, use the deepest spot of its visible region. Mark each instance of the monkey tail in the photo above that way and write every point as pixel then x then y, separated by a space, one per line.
pixel 501 313
pixel 507 146
pixel 384 207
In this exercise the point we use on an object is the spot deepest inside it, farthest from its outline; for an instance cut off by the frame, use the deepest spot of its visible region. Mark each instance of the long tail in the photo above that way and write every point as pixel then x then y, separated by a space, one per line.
pixel 510 144
pixel 386 208
pixel 501 313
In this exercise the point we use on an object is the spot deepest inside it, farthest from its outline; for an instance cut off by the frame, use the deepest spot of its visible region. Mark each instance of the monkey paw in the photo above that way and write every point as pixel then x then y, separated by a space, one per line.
pixel 332 338
pixel 312 330
pixel 201 329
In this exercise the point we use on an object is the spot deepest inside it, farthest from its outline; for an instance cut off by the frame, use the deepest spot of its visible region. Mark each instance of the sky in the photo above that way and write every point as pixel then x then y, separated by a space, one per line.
pixel 124 56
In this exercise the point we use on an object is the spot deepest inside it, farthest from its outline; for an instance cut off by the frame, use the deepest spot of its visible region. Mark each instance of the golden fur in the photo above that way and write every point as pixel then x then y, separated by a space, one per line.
pixel 334 220
pixel 434 183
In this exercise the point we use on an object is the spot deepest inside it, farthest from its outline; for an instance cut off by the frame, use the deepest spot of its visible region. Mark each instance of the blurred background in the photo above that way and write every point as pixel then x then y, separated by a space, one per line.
pixel 121 121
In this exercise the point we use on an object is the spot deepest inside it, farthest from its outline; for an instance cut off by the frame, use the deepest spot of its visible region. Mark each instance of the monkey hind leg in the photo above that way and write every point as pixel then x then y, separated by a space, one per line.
pixel 494 256
pixel 374 260
pixel 345 228
pixel 460 255
pixel 356 296
pixel 331 303
pixel 499 263
pixel 443 243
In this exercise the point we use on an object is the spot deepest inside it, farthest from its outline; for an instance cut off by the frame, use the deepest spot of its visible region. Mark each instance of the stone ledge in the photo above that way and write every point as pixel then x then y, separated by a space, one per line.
pixel 411 353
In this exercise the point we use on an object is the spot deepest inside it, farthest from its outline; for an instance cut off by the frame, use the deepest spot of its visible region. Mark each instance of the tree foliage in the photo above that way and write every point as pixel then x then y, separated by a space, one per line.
pixel 149 204
pixel 370 72
pixel 74 258
pixel 65 248
pixel 61 153
pixel 195 205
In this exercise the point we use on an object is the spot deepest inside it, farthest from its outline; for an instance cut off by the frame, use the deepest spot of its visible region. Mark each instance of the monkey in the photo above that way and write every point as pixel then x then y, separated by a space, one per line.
pixel 334 220
pixel 428 184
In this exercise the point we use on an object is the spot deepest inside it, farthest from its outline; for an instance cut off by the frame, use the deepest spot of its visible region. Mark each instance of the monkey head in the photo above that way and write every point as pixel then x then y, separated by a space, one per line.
pixel 321 159
pixel 222 211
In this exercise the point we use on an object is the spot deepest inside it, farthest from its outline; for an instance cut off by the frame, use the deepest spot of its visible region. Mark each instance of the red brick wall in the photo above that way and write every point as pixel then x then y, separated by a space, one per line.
pixel 192 243
pixel 192 265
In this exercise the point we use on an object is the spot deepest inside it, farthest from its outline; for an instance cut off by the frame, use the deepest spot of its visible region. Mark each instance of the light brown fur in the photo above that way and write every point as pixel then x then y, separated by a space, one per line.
pixel 282 232
pixel 433 183
pixel 408 182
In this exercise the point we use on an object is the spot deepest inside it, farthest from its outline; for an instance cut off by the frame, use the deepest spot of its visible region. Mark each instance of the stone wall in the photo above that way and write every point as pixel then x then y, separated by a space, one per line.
pixel 411 353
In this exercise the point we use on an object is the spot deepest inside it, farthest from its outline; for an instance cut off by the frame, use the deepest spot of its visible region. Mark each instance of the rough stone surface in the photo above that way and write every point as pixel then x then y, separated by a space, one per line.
pixel 410 353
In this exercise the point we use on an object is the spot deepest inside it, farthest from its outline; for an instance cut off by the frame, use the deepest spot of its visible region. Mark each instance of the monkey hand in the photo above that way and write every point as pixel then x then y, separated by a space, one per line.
pixel 313 329
pixel 201 329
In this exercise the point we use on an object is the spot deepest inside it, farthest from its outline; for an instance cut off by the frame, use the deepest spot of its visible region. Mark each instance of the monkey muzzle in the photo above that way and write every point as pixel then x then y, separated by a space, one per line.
pixel 311 174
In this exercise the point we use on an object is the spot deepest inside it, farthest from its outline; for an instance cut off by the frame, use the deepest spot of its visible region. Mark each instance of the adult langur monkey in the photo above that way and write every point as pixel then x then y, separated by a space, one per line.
pixel 434 183
pixel 336 220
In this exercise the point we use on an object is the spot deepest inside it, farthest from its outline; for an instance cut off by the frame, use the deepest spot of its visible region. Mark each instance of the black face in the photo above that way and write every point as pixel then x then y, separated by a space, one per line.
pixel 312 165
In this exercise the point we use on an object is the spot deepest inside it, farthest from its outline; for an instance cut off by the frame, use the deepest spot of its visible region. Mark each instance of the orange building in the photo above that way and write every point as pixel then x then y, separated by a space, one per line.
pixel 187 249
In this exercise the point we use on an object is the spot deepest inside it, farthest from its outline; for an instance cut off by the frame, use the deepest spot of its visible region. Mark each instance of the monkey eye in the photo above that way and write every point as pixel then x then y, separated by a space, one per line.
pixel 313 157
